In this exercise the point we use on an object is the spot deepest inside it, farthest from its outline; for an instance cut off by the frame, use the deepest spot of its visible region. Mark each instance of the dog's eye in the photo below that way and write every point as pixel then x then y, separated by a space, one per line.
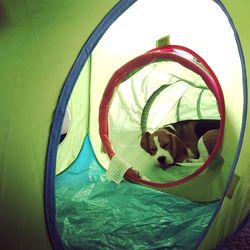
pixel 153 150
pixel 165 145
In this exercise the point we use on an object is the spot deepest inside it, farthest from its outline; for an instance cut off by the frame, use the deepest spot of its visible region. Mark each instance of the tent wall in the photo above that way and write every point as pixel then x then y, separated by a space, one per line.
pixel 39 42
pixel 234 210
pixel 78 112
pixel 207 37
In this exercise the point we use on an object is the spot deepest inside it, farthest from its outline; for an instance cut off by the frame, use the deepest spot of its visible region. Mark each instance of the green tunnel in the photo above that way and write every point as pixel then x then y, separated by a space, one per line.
pixel 57 58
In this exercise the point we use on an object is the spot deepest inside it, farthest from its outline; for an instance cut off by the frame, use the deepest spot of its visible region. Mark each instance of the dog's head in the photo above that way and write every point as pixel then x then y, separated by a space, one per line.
pixel 164 146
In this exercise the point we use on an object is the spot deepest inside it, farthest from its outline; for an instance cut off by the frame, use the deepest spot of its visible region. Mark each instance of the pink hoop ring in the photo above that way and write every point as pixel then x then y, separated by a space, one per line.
pixel 163 53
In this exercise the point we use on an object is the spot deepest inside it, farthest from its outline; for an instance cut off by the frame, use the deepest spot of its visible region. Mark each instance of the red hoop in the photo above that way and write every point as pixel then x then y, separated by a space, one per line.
pixel 162 53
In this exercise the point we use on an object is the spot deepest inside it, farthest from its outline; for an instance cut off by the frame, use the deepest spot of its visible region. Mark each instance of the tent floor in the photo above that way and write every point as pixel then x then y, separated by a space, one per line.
pixel 94 213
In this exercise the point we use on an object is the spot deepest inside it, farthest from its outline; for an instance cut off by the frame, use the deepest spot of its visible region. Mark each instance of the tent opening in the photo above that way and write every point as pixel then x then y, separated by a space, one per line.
pixel 172 90
pixel 96 213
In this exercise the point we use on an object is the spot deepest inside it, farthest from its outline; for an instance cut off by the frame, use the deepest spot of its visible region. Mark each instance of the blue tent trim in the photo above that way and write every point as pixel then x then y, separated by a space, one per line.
pixel 49 193
pixel 54 138
pixel 244 119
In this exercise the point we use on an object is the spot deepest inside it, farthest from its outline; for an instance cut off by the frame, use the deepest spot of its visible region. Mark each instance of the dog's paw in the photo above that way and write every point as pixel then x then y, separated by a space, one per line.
pixel 193 160
pixel 190 160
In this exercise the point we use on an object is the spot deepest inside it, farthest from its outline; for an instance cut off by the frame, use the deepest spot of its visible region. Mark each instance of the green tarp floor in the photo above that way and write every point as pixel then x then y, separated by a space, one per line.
pixel 94 213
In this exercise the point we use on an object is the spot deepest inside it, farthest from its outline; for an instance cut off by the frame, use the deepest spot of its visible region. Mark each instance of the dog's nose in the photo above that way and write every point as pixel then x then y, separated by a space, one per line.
pixel 161 159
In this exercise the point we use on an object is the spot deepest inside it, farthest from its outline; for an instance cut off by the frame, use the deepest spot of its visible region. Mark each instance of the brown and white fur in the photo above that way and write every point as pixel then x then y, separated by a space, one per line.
pixel 184 141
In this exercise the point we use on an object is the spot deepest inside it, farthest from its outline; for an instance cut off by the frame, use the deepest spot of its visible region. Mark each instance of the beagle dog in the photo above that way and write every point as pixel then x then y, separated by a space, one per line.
pixel 184 141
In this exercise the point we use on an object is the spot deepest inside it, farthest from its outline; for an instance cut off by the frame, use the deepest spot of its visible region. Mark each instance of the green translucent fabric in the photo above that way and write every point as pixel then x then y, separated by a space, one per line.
pixel 156 95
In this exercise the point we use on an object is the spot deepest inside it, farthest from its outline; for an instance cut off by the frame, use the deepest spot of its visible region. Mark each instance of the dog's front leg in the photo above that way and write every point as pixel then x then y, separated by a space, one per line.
pixel 203 153
pixel 193 160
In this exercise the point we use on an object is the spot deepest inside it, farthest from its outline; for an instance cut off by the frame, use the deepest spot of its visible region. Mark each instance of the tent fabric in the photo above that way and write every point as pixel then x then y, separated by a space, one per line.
pixel 171 105
pixel 94 213
pixel 214 233
pixel 39 44
pixel 227 68
pixel 186 97
pixel 59 115
pixel 232 142
pixel 184 85
pixel 78 108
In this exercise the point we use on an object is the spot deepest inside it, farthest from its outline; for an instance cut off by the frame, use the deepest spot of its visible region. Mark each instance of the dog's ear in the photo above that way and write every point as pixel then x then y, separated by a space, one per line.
pixel 145 141
pixel 178 148
pixel 173 143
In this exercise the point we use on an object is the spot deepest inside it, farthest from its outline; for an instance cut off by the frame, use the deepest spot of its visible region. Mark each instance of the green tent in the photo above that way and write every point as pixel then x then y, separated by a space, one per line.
pixel 57 59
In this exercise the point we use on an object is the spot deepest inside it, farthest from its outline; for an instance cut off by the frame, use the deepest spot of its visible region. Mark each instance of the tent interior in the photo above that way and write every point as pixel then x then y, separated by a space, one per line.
pixel 92 211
